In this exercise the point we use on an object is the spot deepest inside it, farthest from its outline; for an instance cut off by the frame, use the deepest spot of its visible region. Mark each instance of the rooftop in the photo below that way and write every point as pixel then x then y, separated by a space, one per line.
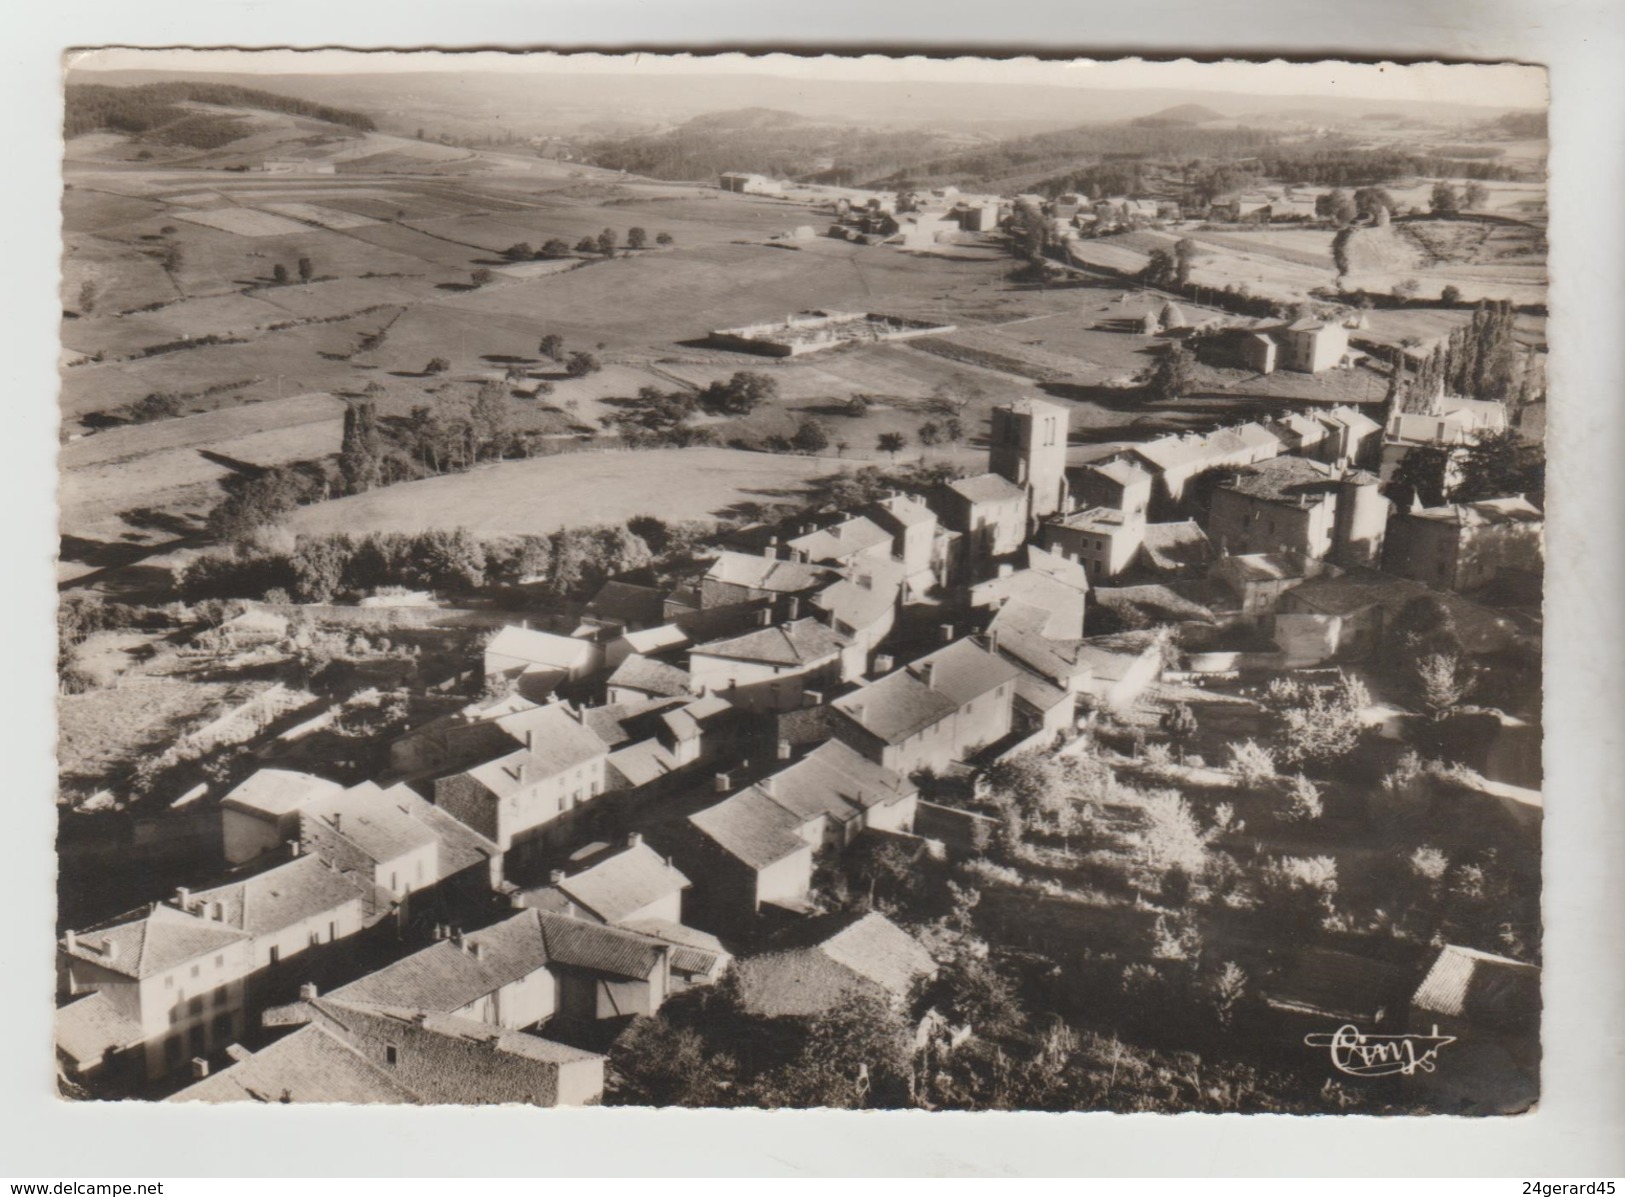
pixel 857 606
pixel 1514 509
pixel 650 676
pixel 86 1030
pixel 1284 480
pixel 280 898
pixel 627 603
pixel 896 706
pixel 278 792
pixel 1490 991
pixel 829 958
pixel 558 741
pixel 624 884
pixel 836 781
pixel 752 828
pixel 840 541
pixel 161 940
pixel 767 573
pixel 540 648
pixel 987 488
pixel 964 671
pixel 310 1065
pixel 800 642
pixel 1174 547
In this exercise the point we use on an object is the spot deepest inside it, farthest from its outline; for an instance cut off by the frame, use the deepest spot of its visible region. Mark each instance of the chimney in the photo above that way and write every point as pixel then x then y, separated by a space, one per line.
pixel 924 671
pixel 530 739
pixel 1006 569
pixel 237 1053
pixel 307 992
pixel 457 940
pixel 767 785
pixel 200 1068
pixel 338 821
pixel 812 698
pixel 947 633
pixel 992 641
pixel 866 582
pixel 856 711
pixel 218 912
pixel 109 950
pixel 764 617
pixel 634 838
pixel 183 897
pixel 555 876
pixel 473 948
pixel 721 783
pixel 792 607
pixel 70 940
pixel 784 750
pixel 294 848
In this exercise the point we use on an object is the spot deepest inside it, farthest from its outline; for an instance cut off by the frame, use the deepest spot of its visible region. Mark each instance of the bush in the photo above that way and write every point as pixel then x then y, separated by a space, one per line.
pixel 1302 802
pixel 1252 763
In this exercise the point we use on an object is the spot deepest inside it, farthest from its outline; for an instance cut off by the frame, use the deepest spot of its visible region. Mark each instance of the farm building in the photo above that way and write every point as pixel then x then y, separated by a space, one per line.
pixel 749 184
pixel 808 332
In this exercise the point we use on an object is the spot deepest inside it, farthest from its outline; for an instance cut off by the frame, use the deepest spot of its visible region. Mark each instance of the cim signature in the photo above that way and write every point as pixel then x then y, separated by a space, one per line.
pixel 1359 1054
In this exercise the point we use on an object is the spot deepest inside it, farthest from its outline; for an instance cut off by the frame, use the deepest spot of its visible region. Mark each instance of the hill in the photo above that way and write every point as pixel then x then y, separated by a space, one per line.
pixel 1182 114
pixel 167 113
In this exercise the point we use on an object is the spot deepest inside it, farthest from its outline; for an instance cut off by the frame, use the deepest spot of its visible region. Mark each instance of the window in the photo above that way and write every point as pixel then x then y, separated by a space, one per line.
pixel 392 1055
pixel 276 955
pixel 220 996
pixel 195 1006
pixel 332 932
pixel 220 961
pixel 174 1014
pixel 196 969
pixel 169 982
pixel 315 938
pixel 394 881
pixel 172 1051
pixel 196 1040
pixel 222 1027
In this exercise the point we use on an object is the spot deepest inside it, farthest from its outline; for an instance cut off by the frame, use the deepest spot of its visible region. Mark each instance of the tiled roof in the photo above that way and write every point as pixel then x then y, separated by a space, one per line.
pixel 751 828
pixel 1352 418
pixel 834 780
pixel 801 642
pixel 624 883
pixel 767 573
pixel 615 723
pixel 86 1030
pixel 664 638
pixel 276 792
pixel 280 898
pixel 461 847
pixel 624 602
pixel 1284 480
pixel 1491 991
pixel 896 706
pixel 987 488
pixel 1037 692
pixel 857 606
pixel 577 943
pixel 1091 519
pixel 441 977
pixel 907 510
pixel 840 541
pixel 1124 473
pixel 558 742
pixel 1176 546
pixel 1265 567
pixel 155 943
pixel 1020 631
pixel 696 952
pixel 310 1065
pixel 868 953
pixel 650 676
pixel 1159 603
pixel 641 763
pixel 540 648
pixel 380 826
pixel 964 671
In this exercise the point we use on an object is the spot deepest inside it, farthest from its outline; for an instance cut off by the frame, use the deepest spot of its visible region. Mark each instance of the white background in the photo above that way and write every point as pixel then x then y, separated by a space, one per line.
pixel 1577 1129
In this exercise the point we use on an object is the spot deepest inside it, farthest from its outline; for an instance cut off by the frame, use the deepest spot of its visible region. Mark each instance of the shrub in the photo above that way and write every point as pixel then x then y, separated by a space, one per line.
pixel 1301 802
pixel 1251 763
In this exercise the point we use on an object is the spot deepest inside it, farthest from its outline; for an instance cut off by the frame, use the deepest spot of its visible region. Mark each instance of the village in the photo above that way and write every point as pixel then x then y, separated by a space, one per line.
pixel 1172 701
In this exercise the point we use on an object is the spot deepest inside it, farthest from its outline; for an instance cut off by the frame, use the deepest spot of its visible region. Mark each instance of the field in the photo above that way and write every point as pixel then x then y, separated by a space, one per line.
pixel 549 493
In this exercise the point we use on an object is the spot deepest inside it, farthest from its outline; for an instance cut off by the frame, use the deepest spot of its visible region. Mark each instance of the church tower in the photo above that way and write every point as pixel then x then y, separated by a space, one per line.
pixel 1029 448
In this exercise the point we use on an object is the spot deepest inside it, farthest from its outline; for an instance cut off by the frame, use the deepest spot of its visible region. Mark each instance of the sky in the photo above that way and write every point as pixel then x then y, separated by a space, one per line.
pixel 1495 85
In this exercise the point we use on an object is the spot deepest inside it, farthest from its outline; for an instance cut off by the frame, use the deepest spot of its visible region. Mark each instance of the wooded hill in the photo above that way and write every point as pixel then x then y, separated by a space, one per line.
pixel 152 110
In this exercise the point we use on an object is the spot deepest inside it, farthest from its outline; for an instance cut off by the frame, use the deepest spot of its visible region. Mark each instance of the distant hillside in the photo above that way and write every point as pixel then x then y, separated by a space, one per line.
pixel 765 141
pixel 1182 114
pixel 156 112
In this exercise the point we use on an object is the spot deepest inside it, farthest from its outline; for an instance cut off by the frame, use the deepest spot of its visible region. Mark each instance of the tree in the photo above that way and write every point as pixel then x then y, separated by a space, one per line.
pixel 929 433
pixel 606 243
pixel 1184 258
pixel 1450 295
pixel 1169 835
pixel 482 276
pixel 891 442
pixel 1443 680
pixel 555 248
pixel 636 237
pixel 1373 203
pixel 1419 478
pixel 1443 199
pixel 1160 269
pixel 1340 250
pixel 1336 206
pixel 857 405
pixel 449 559
pixel 586 246
pixel 306 270
pixel 1174 374
pixel 1320 724
pixel 655 1063
pixel 1179 723
pixel 361 451
pixel 1406 289
pixel 954 429
pixel 552 346
pixel 740 395
pixel 318 567
pixel 810 437
pixel 519 252
pixel 489 415
pixel 1476 196
pixel 663 238
pixel 581 363
pixel 279 275
pixel 855 1056
pixel 1499 464
pixel 437 365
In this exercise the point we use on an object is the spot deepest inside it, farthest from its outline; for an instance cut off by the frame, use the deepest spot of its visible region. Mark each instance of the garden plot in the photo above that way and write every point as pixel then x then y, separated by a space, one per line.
pixel 328 218
pixel 244 222
pixel 339 296
pixel 214 315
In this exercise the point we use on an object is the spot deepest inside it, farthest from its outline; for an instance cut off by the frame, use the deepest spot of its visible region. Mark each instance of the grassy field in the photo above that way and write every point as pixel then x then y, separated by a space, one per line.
pixel 545 494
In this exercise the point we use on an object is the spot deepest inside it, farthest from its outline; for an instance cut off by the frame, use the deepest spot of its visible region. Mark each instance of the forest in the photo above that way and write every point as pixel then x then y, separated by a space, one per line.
pixel 152 107
pixel 1341 166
